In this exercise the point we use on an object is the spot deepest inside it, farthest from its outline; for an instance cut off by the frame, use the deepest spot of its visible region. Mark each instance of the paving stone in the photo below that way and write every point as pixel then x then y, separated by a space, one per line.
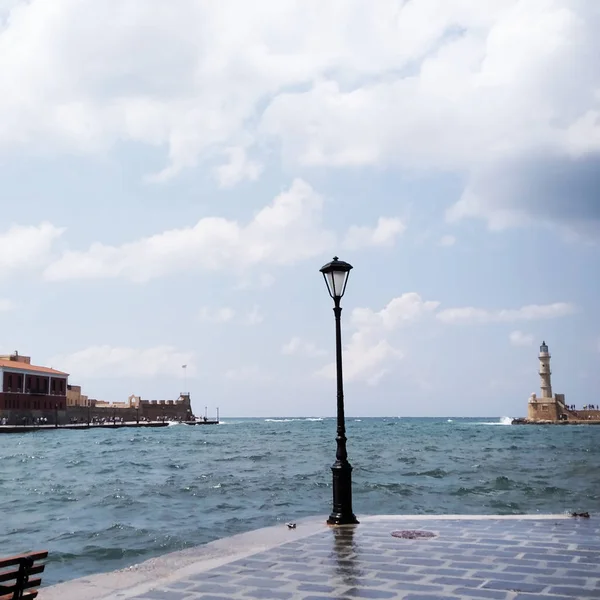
pixel 527 570
pixel 329 598
pixel 399 576
pixel 441 572
pixel 216 588
pixel 503 575
pixel 417 587
pixel 266 594
pixel 369 593
pixel 575 592
pixel 464 581
pixel 315 587
pixel 427 562
pixel 583 572
pixel 515 586
pixel 481 593
pixel 308 576
pixel 262 583
pixel 561 581
pixel 164 595
pixel 537 597
pixel 428 597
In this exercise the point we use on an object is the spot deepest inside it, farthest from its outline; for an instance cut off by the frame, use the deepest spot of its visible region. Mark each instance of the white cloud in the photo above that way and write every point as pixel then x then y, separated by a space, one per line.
pixel 369 354
pixel 24 247
pixel 408 307
pixel 254 317
pixel 518 338
pixel 249 373
pixel 109 361
pixel 447 241
pixel 298 346
pixel 286 231
pixel 526 313
pixel 237 169
pixel 6 305
pixel 371 349
pixel 194 78
pixel 367 357
pixel 428 84
pixel 383 234
pixel 217 315
pixel 494 89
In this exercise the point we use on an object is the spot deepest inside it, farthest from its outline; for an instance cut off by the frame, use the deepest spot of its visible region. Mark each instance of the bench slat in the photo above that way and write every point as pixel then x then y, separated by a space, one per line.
pixel 11 561
pixel 9 575
pixel 17 580
pixel 5 589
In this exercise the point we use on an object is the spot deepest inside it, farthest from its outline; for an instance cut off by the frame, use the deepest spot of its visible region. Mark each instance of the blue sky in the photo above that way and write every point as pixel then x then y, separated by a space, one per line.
pixel 175 176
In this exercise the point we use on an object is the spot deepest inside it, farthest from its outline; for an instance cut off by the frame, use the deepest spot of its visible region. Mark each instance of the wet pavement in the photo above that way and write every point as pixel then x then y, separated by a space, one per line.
pixel 431 558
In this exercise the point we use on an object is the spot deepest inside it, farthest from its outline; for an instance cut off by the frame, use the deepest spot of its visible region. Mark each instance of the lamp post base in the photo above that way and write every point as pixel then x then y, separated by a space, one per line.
pixel 341 519
pixel 342 495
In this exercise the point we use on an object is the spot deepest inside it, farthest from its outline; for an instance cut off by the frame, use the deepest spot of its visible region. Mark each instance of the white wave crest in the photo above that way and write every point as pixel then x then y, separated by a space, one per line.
pixel 502 421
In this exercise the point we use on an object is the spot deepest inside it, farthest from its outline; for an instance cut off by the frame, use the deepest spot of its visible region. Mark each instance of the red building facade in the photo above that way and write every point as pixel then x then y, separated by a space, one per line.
pixel 29 391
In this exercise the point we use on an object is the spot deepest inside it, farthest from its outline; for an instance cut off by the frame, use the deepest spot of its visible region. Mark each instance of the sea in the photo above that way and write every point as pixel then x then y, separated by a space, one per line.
pixel 104 499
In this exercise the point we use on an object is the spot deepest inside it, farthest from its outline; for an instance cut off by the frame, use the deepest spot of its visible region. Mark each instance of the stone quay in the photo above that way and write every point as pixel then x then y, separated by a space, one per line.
pixel 384 557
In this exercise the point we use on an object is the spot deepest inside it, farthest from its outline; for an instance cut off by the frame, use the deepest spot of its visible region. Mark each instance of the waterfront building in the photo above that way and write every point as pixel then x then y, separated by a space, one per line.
pixel 29 392
pixel 75 397
pixel 134 409
pixel 32 394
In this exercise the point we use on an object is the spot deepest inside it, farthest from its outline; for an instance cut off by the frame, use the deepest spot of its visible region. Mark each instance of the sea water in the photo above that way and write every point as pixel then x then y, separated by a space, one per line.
pixel 104 499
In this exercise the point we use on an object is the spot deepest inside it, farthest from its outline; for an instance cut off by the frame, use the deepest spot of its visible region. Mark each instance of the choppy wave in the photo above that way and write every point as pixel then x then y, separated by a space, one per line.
pixel 293 420
pixel 105 499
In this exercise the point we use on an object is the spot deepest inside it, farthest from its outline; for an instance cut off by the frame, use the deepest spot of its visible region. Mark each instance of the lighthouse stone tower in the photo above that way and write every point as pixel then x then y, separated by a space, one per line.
pixel 545 372
pixel 548 406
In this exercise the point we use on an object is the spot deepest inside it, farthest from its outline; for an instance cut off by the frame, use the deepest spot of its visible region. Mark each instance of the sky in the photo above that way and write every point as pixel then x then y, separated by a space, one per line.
pixel 174 174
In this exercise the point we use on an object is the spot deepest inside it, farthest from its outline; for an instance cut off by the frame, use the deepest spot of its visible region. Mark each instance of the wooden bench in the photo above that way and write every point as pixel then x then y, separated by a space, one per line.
pixel 16 581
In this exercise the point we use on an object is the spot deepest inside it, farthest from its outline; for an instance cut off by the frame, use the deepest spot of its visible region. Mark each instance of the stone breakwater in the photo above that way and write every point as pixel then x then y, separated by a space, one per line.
pixel 385 557
pixel 557 422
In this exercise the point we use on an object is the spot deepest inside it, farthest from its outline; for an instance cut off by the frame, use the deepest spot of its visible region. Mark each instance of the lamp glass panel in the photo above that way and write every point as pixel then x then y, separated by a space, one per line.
pixel 329 282
pixel 339 281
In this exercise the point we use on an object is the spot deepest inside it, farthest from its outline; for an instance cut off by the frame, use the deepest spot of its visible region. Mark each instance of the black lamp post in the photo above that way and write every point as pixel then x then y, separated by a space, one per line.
pixel 336 274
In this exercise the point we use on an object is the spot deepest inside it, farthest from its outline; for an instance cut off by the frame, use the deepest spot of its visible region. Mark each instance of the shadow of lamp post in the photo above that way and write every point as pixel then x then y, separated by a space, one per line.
pixel 336 275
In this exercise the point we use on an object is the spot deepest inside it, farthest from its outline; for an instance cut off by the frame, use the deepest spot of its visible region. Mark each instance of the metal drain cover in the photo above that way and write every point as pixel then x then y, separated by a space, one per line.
pixel 411 534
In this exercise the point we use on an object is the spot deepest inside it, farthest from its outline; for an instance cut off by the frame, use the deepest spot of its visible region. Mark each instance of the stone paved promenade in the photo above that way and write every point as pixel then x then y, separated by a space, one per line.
pixel 494 558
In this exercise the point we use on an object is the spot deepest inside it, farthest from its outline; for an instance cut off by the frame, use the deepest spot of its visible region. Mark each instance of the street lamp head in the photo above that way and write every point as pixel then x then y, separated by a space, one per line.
pixel 336 274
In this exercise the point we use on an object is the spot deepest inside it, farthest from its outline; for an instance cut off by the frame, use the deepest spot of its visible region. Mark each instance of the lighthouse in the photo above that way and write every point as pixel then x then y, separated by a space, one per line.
pixel 545 372
pixel 547 407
